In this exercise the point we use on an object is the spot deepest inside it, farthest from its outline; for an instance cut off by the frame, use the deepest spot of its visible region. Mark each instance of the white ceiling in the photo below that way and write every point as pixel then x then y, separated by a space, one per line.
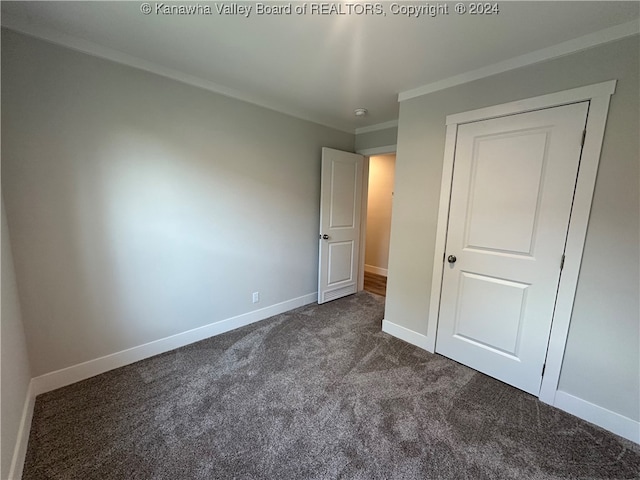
pixel 322 67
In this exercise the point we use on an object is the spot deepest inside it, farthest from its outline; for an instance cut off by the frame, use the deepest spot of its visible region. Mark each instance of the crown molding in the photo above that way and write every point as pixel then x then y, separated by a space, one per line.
pixel 85 46
pixel 384 150
pixel 571 46
pixel 71 42
pixel 377 126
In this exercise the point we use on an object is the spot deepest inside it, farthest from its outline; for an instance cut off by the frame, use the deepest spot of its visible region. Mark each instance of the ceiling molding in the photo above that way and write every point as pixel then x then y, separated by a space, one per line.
pixel 387 149
pixel 90 48
pixel 571 46
pixel 377 126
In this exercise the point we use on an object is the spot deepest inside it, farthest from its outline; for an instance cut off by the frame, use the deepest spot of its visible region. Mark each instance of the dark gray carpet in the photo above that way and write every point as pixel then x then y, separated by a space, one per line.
pixel 316 393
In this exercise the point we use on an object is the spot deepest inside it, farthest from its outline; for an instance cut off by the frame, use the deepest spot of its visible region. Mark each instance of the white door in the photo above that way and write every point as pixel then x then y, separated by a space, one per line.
pixel 340 202
pixel 511 198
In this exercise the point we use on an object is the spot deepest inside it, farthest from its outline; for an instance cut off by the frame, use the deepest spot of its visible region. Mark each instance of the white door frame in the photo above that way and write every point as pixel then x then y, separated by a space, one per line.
pixel 367 152
pixel 599 96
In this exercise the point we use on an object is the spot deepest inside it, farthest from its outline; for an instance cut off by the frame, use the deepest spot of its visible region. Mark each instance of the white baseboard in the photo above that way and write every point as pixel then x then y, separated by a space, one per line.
pixel 377 270
pixel 614 422
pixel 66 376
pixel 409 336
pixel 22 440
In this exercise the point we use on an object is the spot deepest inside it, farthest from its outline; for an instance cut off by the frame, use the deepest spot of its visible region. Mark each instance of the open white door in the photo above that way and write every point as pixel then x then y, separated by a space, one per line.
pixel 511 199
pixel 340 205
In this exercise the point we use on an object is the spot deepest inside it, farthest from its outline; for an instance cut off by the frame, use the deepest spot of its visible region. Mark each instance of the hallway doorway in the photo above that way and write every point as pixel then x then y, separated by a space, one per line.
pixel 378 222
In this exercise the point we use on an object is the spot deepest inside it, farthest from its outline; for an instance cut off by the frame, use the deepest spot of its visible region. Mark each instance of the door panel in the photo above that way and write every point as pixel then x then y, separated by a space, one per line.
pixel 520 175
pixel 490 312
pixel 340 262
pixel 340 206
pixel 511 198
pixel 342 195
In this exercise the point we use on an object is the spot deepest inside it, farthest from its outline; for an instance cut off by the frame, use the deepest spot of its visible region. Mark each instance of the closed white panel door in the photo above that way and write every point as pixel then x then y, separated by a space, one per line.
pixel 340 202
pixel 511 198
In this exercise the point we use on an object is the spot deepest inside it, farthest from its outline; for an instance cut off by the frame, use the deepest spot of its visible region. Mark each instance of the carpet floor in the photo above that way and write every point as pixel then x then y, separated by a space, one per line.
pixel 316 393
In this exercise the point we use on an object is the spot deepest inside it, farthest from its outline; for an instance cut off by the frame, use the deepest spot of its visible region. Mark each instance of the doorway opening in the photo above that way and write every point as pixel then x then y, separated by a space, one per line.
pixel 377 221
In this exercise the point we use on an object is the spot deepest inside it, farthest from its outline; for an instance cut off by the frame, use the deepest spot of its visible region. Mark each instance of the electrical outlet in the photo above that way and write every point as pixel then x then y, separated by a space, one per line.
pixel 256 297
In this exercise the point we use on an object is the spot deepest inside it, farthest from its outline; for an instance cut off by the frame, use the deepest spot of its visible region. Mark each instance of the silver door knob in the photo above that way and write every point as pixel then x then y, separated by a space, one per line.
pixel 451 259
pixel 325 237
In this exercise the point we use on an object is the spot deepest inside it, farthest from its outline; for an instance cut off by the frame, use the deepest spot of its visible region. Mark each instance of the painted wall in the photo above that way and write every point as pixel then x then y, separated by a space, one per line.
pixel 141 207
pixel 378 138
pixel 14 361
pixel 379 203
pixel 602 360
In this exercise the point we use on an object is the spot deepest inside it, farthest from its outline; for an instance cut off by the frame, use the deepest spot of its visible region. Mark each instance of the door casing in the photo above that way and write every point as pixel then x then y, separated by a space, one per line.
pixel 598 96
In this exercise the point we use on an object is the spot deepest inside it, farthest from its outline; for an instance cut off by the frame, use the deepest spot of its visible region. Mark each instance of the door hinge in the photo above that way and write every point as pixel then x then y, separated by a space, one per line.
pixel 584 136
pixel 543 367
pixel 562 262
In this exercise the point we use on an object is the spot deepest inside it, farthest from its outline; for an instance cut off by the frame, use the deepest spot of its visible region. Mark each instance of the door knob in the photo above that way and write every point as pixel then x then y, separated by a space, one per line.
pixel 451 259
pixel 325 237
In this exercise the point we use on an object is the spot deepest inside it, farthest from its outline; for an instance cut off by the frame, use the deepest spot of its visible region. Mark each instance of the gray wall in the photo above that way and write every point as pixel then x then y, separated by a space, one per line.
pixel 140 207
pixel 15 370
pixel 602 355
pixel 378 138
